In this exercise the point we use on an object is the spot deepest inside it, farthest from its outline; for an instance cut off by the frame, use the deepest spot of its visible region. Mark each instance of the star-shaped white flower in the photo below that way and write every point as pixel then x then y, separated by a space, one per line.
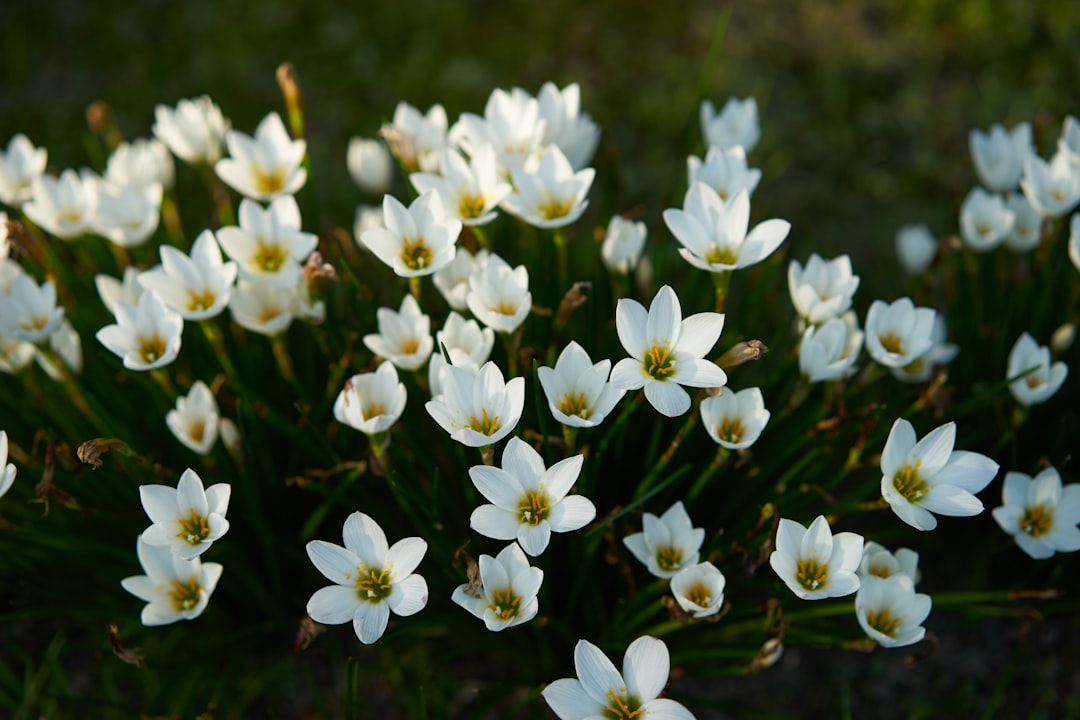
pixel 668 543
pixel 552 196
pixel 404 336
pixel 64 206
pixel 195 419
pixel 623 242
pixel 417 240
pixel 146 336
pixel 197 286
pixel 813 562
pixel 828 351
pixel 174 588
pixel 1039 513
pixel 470 189
pixel 20 165
pixel 480 408
pixel 1042 379
pixel 266 166
pixel 735 124
pixel 823 289
pixel 194 130
pixel 999 154
pixel 566 126
pixel 507 594
pixel 578 392
pixel 735 419
pixel 699 589
pixel 417 139
pixel 898 333
pixel 268 246
pixel 499 295
pixel 126 214
pixel 371 402
pixel 725 171
pixel 29 313
pixel 187 519
pixel 890 611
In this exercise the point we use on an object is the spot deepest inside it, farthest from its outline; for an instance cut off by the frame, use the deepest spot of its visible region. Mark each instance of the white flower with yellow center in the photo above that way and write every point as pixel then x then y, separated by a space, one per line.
pixel 142 163
pixel 735 420
pixel 813 562
pixel 194 130
pixel 927 476
pixel 1039 513
pixel 262 308
pixel 507 593
pixel 735 124
pixel 1041 379
pixel 1052 187
pixel 668 543
pixel 371 402
pixel 195 419
pixel 877 561
pixel 146 336
pixel 370 578
pixel 899 333
pixel 699 589
pixel 20 165
pixel 985 220
pixel 468 345
pixel 828 352
pixel 63 207
pixel 551 196
pixel 529 501
pixel 126 214
pixel 941 352
pixel 268 246
pixel 417 240
pixel 578 392
pixel 29 312
pixel 478 408
pixel 890 611
pixel 823 289
pixel 725 171
pixel 499 295
pixel 196 286
pixel 7 470
pixel 174 588
pixel 417 139
pixel 266 166
pixel 623 243
pixel 187 519
pixel 511 124
pixel 404 337
pixel 470 190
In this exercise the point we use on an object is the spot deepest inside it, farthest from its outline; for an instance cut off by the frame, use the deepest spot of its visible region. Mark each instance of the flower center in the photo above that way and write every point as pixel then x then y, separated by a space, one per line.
pixel 622 708
pixel 910 484
pixel 505 308
pixel 810 574
pixel 268 313
pixel 505 604
pixel 534 507
pixel 37 322
pixel 891 342
pixel 374 584
pixel 720 256
pixel 699 595
pixel 668 557
pixel 575 405
pixel 409 346
pixel 196 431
pixel 152 348
pixel 415 255
pixel 373 410
pixel 553 208
pixel 471 206
pixel 883 621
pixel 484 425
pixel 271 182
pixel 72 217
pixel 1033 380
pixel 201 301
pixel 1037 521
pixel 659 364
pixel 730 430
pixel 881 571
pixel 269 258
pixel 185 596
pixel 195 530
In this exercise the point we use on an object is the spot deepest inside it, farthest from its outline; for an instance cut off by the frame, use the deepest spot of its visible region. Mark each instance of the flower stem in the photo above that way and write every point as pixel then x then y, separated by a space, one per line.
pixel 722 282
pixel 665 458
pixel 722 454
pixel 487 454
pixel 481 236
pixel 561 249
pixel 415 288
pixel 284 360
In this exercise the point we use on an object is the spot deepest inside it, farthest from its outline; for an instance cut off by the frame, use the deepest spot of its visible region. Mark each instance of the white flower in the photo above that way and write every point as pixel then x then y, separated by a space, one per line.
pixel 725 171
pixel 713 233
pixel 916 247
pixel 1054 187
pixel 197 287
pixel 899 333
pixel 573 131
pixel 823 290
pixel 266 166
pixel 529 501
pixel 418 240
pixel 193 131
pixel 984 220
pixel 1043 380
pixel 511 124
pixel 268 246
pixel 1069 141
pixel 146 336
pixel 195 419
pixel 417 139
pixel 1074 240
pixel 20 165
pixel 370 578
pixel 187 519
pixel 370 165
pixel 736 124
pixel 1040 513
pixel 890 611
pixel 62 207
pixel 404 337
pixel 813 562
pixel 67 344
pixel 142 163
pixel 879 562
pixel 113 291
pixel 7 470
pixel 578 392
pixel 600 690
pixel 699 589
pixel 623 242
pixel 940 353
pixel 499 296
pixel 735 419
pixel 452 281
pixel 371 402
pixel 15 354
pixel 1026 231
pixel 466 335
pixel 928 476
pixel 828 352
pixel 126 214
pixel 29 312
pixel 470 190
pixel 480 408
pixel 507 595
pixel 551 196
pixel 666 352
pixel 175 589
pixel 999 155
pixel 668 543
pixel 263 308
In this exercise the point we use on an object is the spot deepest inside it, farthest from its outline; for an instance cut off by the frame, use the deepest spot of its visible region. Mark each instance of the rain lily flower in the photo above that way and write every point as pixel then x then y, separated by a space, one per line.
pixel 371 402
pixel 7 470
pixel 194 130
pixel 67 344
pixel 1052 187
pixel 1026 231
pixel 928 476
pixel 511 124
pixel 15 354
pixel 194 421
pixel 452 280
pixel 20 165
pixel 499 296
pixel 146 336
pixel 813 562
pixel 187 519
pixel 29 312
pixel 370 165
pixel 478 409
pixel 268 246
pixel 713 233
pixel 699 589
pixel 529 501
pixel 735 124
pixel 196 286
pixel 668 543
pixel 466 335
pixel 725 171
pixel 828 352
pixel 142 163
pixel 735 419
pixel 418 240
pixel 437 366
pixel 578 392
pixel 417 139
pixel 999 155
pixel 470 189
pixel 573 131
pixel 175 589
pixel 890 611
pixel 262 308
pixel 666 352
pixel 916 247
pixel 600 690
pixel 404 337
pixel 879 562
pixel 940 353
pixel 266 166
pixel 127 215
pixel 1074 240
pixel 62 207
pixel 1040 384
pixel 623 242
pixel 823 290
pixel 899 333
pixel 113 291
pixel 507 594
pixel 551 196
pixel 984 220
pixel 370 578
pixel 1040 513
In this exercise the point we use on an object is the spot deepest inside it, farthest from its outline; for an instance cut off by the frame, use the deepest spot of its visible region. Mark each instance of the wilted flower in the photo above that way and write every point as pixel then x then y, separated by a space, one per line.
pixel 452 280
pixel 418 240
pixel 736 124
pixel 266 166
pixel 507 594
pixel 899 333
pixel 1043 380
pixel 828 351
pixel 578 392
pixel 417 139
pixel 890 611
pixel 194 421
pixel 735 419
pixel 999 155
pixel 813 562
pixel 470 190
pixel 20 165
pixel 187 519
pixel 370 165
pixel 551 196
pixel 699 589
pixel 1052 187
pixel 196 286
pixel 404 337
pixel 573 131
pixel 7 470
pixel 915 248
pixel 62 207
pixel 193 131
pixel 499 296
pixel 1040 513
pixel 29 312
pixel 146 336
pixel 879 562
pixel 176 589
pixel 622 245
pixel 371 402
pixel 480 408
pixel 823 290
pixel 668 543
pixel 268 246
pixel 725 171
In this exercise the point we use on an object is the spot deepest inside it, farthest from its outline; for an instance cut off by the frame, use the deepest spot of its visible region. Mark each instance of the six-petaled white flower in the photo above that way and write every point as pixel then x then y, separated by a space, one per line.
pixel 146 336
pixel 890 611
pixel 64 206
pixel 127 215
pixel 898 333
pixel 507 594
pixel 1040 513
pixel 188 518
pixel 452 280
pixel 1052 187
pixel 668 543
pixel 985 220
pixel 417 240
pixel 194 421
pixel 725 171
pixel 499 295
pixel 268 246
pixel 417 139
pixel 470 189
pixel 371 402
pixel 29 312
pixel 999 155
pixel 828 351
pixel 623 242
pixel 404 337
pixel 174 588
pixel 266 166
pixel 566 126
pixel 578 392
pixel 511 124
pixel 823 289
pixel 551 196
pixel 478 408
pixel 940 353
pixel 735 419
pixel 814 562
pixel 197 286
pixel 699 589
pixel 20 165
pixel 1041 379
pixel 735 124
pixel 194 130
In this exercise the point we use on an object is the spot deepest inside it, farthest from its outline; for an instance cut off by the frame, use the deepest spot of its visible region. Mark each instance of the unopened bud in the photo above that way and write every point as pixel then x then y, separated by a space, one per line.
pixel 769 654
pixel 90 452
pixel 742 353
pixel 289 83
pixel 316 268
pixel 1063 337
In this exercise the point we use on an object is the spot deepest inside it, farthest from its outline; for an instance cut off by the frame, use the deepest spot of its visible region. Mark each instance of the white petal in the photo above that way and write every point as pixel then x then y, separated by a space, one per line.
pixel 333 605
pixel 408 596
pixel 370 620
pixel 597 673
pixel 335 562
pixel 405 555
pixel 668 398
pixel 567 699
pixel 645 668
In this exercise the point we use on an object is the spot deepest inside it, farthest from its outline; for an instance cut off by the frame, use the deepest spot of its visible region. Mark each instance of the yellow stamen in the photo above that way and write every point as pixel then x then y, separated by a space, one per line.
pixel 195 530
pixel 575 405
pixel 505 308
pixel 471 206
pixel 150 349
pixel 409 346
pixel 811 575
pixel 197 430
pixel 910 484
pixel 415 255
pixel 185 596
pixel 730 430
pixel 373 410
pixel 892 342
pixel 374 584
pixel 721 256
pixel 881 571
pixel 883 622
pixel 668 557
pixel 505 604
pixel 534 506
pixel 1037 521
pixel 553 208
pixel 622 708
pixel 699 595
pixel 659 364
pixel 35 323
pixel 270 182
pixel 268 313
pixel 201 301
pixel 269 258
pixel 484 425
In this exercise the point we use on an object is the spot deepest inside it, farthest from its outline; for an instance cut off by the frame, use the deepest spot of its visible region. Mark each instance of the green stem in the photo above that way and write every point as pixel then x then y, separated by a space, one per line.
pixel 561 249
pixel 722 454
pixel 665 459
pixel 722 283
